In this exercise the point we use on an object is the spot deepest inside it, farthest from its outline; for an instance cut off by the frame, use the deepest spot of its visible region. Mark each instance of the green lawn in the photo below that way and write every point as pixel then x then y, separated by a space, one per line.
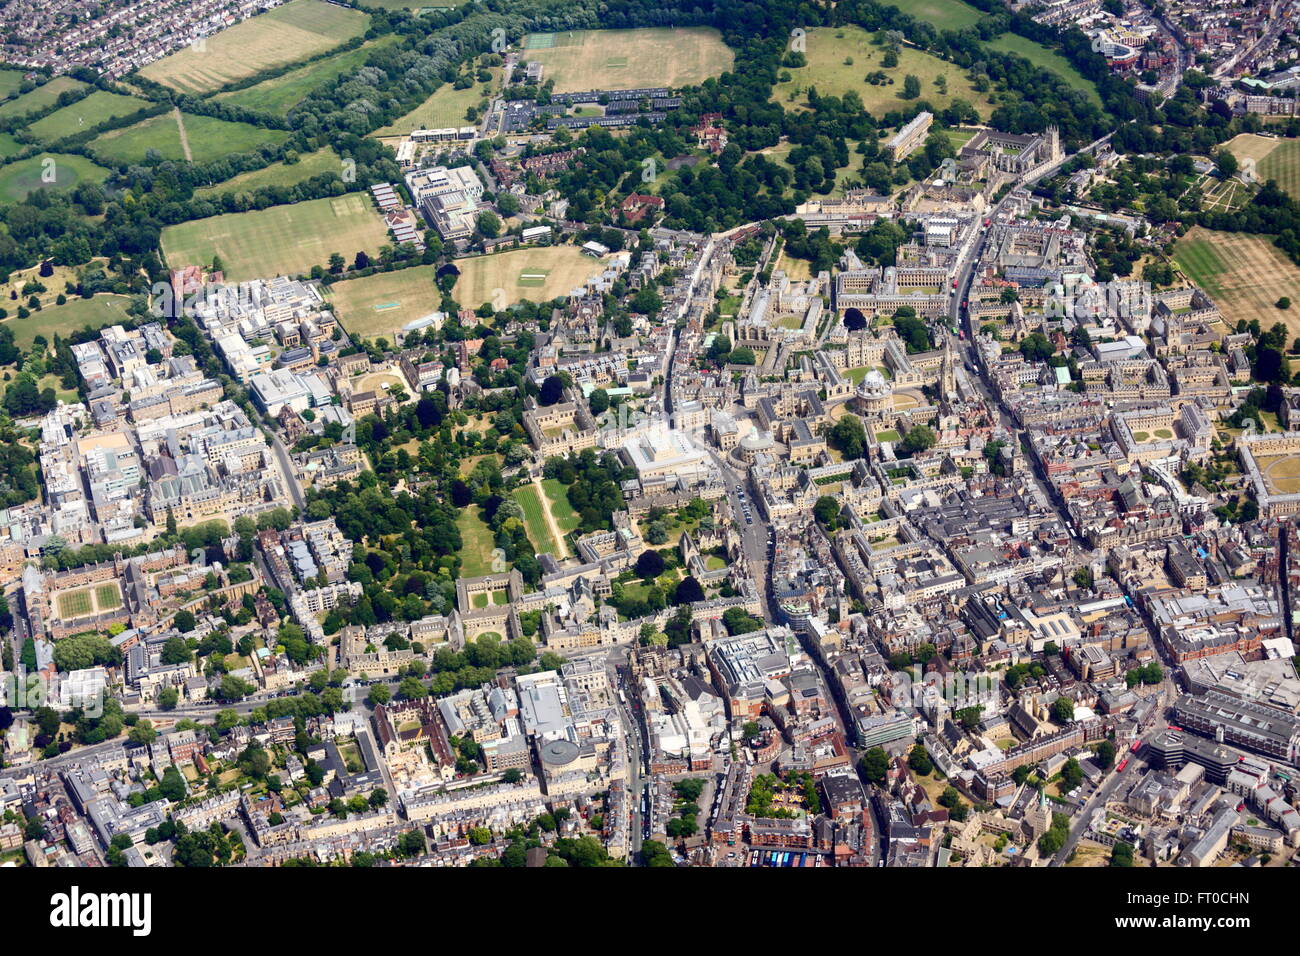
pixel 9 146
pixel 279 240
pixel 1041 56
pixel 539 532
pixel 10 81
pixel 85 114
pixel 446 107
pixel 47 171
pixel 477 544
pixel 281 93
pixel 65 319
pixel 209 139
pixel 1201 263
pixel 277 174
pixel 944 14
pixel 558 495
pixel 41 98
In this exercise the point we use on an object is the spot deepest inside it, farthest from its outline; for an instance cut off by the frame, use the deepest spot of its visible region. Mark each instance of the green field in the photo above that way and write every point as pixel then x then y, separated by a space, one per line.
pixel 277 174
pixel 1041 56
pixel 446 107
pixel 477 544
pixel 208 139
pixel 9 146
pixel 557 494
pixel 1244 274
pixel 944 14
pixel 830 47
pixel 539 532
pixel 108 596
pixel 41 98
pixel 629 59
pixel 294 31
pixel 1282 164
pixel 85 114
pixel 380 304
pixel 65 319
pixel 281 240
pixel 279 94
pixel 20 178
pixel 10 81
pixel 75 603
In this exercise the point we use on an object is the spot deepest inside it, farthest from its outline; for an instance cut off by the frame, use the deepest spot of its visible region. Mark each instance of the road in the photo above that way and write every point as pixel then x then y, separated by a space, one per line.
pixel 287 470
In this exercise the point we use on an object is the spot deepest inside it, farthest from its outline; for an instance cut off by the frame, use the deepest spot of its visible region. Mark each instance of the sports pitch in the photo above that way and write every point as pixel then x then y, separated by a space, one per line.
pixel 1244 274
pixel 535 274
pixel 47 171
pixel 281 240
pixel 207 139
pixel 1273 158
pixel 85 114
pixel 383 303
pixel 629 59
pixel 295 31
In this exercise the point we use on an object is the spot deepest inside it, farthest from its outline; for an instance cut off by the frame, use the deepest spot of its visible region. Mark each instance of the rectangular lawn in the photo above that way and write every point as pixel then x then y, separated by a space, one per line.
pixel 85 114
pixel 281 240
pixel 381 304
pixel 629 59
pixel 199 139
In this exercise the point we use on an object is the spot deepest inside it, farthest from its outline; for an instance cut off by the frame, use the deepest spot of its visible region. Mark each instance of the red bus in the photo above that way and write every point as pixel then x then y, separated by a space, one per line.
pixel 1122 764
pixel 1137 745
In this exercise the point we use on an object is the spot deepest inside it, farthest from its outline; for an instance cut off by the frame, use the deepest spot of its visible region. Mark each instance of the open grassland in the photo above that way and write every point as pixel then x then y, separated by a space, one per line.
pixel 1041 56
pixel 41 98
pixel 281 93
pixel 446 107
pixel 944 14
pixel 277 174
pixel 294 31
pixel 85 114
pixel 380 304
pixel 208 139
pixel 629 59
pixel 539 530
pixel 1273 158
pixel 63 320
pixel 536 274
pixel 10 82
pixel 840 58
pixel 1245 275
pixel 281 240
pixel 9 146
pixel 47 171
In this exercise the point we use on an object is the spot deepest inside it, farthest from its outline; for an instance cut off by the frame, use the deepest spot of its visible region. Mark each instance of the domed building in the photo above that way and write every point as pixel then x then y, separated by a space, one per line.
pixel 873 395
pixel 755 443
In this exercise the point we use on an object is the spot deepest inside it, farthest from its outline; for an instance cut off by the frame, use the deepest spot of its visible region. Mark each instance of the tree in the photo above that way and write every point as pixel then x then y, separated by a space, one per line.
pixel 1063 710
pixel 552 390
pixel 489 224
pixel 649 564
pixel 184 621
pixel 142 733
pixel 827 512
pixel 911 87
pixel 654 853
pixel 874 765
pixel 176 651
pixel 919 760
pixel 917 439
pixel 380 694
pixel 1121 854
pixel 688 591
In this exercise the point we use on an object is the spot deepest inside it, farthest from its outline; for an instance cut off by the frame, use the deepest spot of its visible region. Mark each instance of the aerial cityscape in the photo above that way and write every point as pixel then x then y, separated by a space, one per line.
pixel 726 433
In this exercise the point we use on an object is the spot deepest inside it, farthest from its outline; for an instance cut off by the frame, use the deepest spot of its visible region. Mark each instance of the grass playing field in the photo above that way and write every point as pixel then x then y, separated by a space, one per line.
pixel 46 171
pixel 65 319
pixel 76 603
pixel 281 240
pixel 108 596
pixel 446 107
pixel 41 98
pixel 539 531
pixel 207 139
pixel 629 59
pixel 1273 158
pixel 277 174
pixel 298 29
pixel 1041 56
pixel 535 274
pixel 829 47
pixel 557 496
pixel 1244 274
pixel 85 114
pixel 279 94
pixel 380 304
pixel 1280 472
